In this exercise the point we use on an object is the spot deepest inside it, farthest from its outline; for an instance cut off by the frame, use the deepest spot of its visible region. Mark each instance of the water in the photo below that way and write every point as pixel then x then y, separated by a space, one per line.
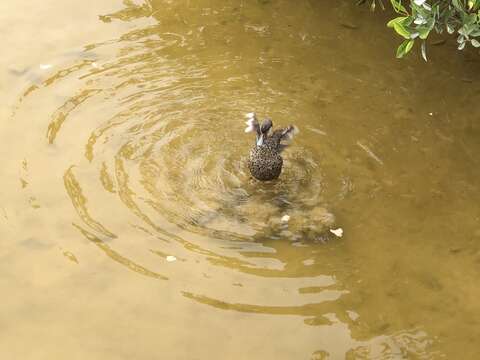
pixel 132 229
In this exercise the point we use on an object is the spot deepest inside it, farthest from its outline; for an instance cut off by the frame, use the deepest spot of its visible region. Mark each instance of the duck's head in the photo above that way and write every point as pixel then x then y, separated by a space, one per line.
pixel 261 130
pixel 266 126
pixel 264 130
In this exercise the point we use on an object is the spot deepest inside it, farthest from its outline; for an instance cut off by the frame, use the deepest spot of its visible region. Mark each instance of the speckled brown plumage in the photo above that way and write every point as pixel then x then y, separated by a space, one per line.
pixel 265 161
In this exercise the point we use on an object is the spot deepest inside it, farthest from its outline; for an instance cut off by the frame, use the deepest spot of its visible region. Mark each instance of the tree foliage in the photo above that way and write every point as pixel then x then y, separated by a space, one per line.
pixel 418 18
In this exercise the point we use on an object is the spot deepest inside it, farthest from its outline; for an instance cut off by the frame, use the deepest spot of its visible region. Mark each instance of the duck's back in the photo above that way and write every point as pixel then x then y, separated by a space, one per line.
pixel 265 162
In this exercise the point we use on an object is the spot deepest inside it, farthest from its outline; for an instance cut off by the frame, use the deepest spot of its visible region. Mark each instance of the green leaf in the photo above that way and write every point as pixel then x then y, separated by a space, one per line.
pixel 398 7
pixel 401 30
pixel 404 48
pixel 470 19
pixel 396 20
pixel 450 29
pixel 458 5
pixel 424 50
pixel 475 43
pixel 423 32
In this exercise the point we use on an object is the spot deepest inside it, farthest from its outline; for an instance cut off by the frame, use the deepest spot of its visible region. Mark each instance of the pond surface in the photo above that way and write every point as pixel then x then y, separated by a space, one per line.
pixel 131 228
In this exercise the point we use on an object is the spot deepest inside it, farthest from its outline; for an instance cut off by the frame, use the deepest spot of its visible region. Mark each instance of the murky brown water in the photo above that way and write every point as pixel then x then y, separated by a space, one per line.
pixel 122 145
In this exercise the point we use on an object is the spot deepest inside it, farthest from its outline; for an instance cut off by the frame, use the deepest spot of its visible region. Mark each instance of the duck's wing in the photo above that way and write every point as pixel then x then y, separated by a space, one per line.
pixel 252 124
pixel 285 134
pixel 282 147
pixel 288 132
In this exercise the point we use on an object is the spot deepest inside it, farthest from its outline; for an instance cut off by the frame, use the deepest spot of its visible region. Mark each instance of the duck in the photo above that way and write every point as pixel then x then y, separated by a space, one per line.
pixel 265 160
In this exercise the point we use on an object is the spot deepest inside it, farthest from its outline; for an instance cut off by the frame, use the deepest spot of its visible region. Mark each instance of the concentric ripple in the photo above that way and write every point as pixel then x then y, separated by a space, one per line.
pixel 146 133
pixel 160 148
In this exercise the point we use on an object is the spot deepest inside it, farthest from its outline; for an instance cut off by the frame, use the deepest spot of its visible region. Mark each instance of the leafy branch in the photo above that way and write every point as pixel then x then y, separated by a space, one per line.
pixel 419 18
